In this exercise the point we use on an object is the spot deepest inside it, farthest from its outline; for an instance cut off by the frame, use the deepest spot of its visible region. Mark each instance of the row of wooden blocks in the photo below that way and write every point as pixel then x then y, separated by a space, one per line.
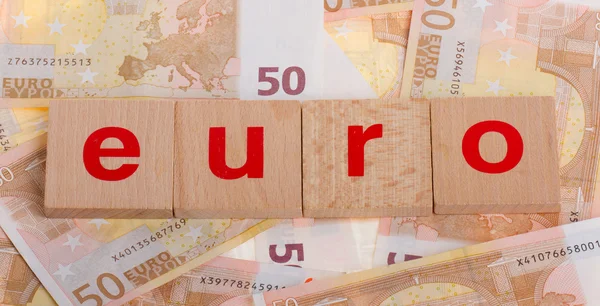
pixel 286 159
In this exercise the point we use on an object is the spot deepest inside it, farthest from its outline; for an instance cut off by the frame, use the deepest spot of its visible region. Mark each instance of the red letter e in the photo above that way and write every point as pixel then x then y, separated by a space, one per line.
pixel 93 151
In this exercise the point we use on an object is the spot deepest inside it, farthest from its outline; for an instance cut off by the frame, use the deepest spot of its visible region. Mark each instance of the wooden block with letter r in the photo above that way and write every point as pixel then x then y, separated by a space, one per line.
pixel 110 159
pixel 238 159
pixel 366 158
pixel 495 155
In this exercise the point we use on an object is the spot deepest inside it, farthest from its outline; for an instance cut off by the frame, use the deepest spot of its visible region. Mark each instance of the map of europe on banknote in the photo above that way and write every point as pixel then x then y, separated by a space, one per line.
pixel 485 48
pixel 144 48
pixel 62 48
pixel 107 261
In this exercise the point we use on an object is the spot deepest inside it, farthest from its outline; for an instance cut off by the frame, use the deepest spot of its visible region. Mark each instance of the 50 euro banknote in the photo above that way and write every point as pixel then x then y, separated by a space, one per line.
pixel 479 48
pixel 142 48
pixel 107 262
pixel 557 266
pixel 200 49
pixel 218 280
pixel 494 48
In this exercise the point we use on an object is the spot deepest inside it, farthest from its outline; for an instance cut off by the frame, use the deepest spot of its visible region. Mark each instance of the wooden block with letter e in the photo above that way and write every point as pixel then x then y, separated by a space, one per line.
pixel 110 159
pixel 366 158
pixel 495 155
pixel 238 159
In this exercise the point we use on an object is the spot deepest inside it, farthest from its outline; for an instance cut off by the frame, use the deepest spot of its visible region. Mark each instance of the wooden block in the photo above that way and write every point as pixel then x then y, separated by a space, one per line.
pixel 80 183
pixel 495 155
pixel 260 143
pixel 396 177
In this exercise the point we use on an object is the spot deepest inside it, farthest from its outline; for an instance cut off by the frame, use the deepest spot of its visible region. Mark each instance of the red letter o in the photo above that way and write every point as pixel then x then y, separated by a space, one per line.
pixel 514 146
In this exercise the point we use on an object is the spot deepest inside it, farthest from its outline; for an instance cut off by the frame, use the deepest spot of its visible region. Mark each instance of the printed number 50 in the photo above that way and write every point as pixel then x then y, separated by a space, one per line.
pixel 285 82
pixel 100 282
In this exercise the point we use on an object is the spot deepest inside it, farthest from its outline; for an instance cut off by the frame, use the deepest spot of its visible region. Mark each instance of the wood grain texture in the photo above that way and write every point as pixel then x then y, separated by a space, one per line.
pixel 532 186
pixel 71 192
pixel 397 176
pixel 201 194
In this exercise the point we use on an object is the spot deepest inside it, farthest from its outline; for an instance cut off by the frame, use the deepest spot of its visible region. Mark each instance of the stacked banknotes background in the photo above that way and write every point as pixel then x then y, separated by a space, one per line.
pixel 345 49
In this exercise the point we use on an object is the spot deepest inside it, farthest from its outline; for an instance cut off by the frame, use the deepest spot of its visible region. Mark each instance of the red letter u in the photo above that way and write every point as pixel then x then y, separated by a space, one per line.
pixel 254 154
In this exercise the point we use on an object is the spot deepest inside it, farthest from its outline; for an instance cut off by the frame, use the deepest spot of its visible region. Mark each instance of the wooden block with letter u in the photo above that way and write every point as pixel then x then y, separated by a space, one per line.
pixel 238 159
pixel 495 155
pixel 110 159
pixel 366 158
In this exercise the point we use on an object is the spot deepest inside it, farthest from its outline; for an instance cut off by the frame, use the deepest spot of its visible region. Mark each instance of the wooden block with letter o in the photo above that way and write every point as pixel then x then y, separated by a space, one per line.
pixel 495 155
pixel 366 158
pixel 238 159
pixel 110 159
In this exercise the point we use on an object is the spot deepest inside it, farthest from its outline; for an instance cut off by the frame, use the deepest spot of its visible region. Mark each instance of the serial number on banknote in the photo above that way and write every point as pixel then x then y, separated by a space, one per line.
pixel 562 252
pixel 458 67
pixel 256 287
pixel 138 246
pixel 4 141
pixel 66 62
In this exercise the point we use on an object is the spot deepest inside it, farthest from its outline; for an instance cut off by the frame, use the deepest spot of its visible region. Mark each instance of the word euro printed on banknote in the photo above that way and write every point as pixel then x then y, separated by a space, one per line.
pixel 557 266
pixel 105 261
